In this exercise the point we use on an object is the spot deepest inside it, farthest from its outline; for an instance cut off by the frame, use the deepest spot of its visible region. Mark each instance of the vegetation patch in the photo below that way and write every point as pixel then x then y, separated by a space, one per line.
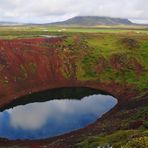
pixel 118 139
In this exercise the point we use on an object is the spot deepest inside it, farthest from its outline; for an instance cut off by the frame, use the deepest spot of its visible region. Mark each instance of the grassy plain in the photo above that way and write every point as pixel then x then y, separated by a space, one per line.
pixel 30 31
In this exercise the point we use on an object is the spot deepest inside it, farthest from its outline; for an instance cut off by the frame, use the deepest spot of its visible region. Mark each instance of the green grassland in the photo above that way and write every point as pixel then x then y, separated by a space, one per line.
pixel 30 31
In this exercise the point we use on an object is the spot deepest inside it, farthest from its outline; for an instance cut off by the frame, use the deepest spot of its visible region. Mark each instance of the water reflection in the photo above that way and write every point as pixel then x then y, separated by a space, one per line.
pixel 52 118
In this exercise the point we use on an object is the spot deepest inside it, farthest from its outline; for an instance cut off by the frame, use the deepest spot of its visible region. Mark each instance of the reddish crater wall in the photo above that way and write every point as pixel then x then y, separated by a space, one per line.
pixel 32 65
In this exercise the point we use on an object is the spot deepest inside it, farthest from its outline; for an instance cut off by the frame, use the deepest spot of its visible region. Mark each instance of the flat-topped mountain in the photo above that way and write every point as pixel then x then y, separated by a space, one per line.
pixel 93 21
pixel 80 21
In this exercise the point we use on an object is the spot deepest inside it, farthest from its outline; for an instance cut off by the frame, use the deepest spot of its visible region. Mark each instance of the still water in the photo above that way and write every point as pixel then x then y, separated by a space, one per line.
pixel 42 120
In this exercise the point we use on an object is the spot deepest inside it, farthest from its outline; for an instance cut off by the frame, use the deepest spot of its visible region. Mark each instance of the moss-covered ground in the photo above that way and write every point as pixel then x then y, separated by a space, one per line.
pixel 120 58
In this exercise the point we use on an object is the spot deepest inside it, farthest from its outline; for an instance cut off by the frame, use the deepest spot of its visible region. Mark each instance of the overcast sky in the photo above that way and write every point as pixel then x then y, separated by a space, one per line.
pixel 41 11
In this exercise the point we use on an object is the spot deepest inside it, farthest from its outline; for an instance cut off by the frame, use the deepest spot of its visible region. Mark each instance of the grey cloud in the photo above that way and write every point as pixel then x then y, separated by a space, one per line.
pixel 55 10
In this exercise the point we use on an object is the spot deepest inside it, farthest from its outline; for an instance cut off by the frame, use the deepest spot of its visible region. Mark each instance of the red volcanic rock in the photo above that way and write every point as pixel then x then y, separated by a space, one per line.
pixel 28 63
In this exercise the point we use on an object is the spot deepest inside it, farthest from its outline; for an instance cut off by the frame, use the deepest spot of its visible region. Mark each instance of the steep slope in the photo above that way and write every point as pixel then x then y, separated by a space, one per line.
pixel 115 63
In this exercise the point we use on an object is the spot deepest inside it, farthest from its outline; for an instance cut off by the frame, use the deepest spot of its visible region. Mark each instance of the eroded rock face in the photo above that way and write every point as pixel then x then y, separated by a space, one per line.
pixel 27 64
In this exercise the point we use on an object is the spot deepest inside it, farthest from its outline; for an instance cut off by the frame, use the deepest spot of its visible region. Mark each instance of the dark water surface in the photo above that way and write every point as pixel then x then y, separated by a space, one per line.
pixel 41 120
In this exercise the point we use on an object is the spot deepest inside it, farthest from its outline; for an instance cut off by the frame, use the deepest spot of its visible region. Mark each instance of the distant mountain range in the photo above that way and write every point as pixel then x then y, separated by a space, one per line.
pixel 93 21
pixel 10 23
pixel 81 21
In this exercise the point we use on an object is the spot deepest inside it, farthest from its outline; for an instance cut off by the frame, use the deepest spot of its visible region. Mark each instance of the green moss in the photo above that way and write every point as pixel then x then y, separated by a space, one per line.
pixel 141 114
pixel 143 81
pixel 80 72
pixel 89 63
pixel 107 75
pixel 140 142
pixel 143 52
pixel 23 72
pixel 4 80
pixel 106 45
pixel 145 125
pixel 116 140
pixel 33 67
pixel 130 76
pixel 66 73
